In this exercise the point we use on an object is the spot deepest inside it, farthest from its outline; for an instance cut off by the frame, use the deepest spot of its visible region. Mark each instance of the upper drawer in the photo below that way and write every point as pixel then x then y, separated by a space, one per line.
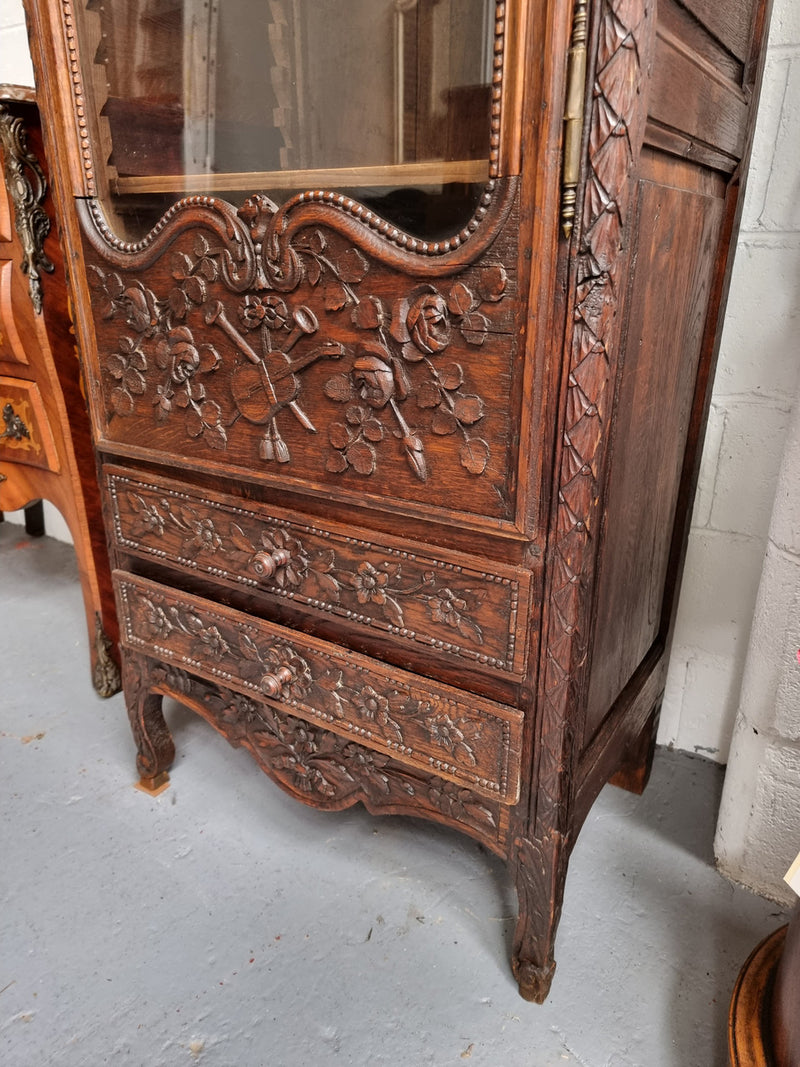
pixel 460 606
pixel 474 742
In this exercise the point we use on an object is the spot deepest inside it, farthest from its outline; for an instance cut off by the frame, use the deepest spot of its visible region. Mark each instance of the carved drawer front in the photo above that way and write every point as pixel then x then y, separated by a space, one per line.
pixel 457 605
pixel 433 727
pixel 25 435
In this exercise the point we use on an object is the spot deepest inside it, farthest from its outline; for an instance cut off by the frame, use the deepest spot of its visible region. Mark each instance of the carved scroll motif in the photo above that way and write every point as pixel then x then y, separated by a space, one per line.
pixel 27 187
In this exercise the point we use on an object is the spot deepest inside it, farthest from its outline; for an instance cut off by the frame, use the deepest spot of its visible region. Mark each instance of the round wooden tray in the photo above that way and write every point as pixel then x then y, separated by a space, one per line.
pixel 749 1040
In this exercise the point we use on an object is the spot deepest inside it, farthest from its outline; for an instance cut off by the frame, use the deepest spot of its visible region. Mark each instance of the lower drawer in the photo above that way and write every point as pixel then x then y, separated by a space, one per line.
pixel 425 724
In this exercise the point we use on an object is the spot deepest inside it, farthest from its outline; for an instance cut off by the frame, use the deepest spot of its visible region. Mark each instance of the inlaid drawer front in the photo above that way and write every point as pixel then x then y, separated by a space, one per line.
pixel 425 724
pixel 454 604
pixel 25 435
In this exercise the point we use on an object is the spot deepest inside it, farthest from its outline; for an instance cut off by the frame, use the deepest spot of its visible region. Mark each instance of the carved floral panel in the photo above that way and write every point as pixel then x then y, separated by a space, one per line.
pixel 304 357
pixel 463 738
pixel 322 768
pixel 469 612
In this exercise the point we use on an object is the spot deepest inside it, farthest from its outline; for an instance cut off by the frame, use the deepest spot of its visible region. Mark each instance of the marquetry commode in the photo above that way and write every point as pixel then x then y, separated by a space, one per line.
pixel 398 380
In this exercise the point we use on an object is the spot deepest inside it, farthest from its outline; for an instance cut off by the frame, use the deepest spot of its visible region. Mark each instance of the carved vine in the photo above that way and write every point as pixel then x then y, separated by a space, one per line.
pixel 318 575
pixel 27 187
pixel 343 694
pixel 319 766
pixel 397 388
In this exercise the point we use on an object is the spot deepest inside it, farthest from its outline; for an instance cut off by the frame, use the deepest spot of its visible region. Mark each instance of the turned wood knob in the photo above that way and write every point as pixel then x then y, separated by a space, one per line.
pixel 266 563
pixel 271 684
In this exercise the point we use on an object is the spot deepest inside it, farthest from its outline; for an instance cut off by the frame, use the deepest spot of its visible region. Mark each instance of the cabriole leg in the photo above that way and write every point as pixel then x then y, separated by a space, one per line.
pixel 539 871
pixel 156 749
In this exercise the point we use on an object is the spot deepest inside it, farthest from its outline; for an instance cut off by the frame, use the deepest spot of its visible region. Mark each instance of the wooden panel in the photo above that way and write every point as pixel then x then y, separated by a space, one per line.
pixel 345 375
pixel 463 607
pixel 674 243
pixel 730 21
pixel 423 723
pixel 691 96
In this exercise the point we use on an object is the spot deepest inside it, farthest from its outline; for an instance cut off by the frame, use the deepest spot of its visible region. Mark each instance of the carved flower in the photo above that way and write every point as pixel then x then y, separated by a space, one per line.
pixel 293 572
pixel 448 734
pixel 178 352
pixel 206 538
pixel 367 765
pixel 215 643
pixel 372 376
pixel 141 309
pixel 300 758
pixel 428 324
pixel 148 518
pixel 156 618
pixel 379 709
pixel 446 607
pixel 369 584
pixel 269 310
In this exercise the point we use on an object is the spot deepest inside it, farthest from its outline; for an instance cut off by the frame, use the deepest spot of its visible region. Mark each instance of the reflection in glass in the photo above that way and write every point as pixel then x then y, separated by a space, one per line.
pixel 387 100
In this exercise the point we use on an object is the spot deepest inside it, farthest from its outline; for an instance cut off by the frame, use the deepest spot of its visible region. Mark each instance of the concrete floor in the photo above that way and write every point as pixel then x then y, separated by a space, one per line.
pixel 225 925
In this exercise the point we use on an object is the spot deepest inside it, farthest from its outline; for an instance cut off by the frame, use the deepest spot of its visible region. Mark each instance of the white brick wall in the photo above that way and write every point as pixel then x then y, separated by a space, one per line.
pixel 755 389
pixel 15 60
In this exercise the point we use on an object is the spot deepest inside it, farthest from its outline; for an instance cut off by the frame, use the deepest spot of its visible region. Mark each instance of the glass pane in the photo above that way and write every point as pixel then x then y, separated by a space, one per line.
pixel 386 100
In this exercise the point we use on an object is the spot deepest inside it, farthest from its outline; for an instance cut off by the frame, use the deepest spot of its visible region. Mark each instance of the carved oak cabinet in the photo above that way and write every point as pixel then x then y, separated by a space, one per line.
pixel 398 380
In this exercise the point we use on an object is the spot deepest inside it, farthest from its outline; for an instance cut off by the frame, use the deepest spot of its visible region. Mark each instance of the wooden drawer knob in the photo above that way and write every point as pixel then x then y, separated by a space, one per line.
pixel 266 563
pixel 271 684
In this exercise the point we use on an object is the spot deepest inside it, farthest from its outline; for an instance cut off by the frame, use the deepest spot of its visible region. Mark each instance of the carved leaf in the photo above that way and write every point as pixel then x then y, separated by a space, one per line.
pixel 240 539
pixel 373 430
pixel 429 395
pixel 361 457
pixel 352 266
pixel 393 611
pixel 474 455
pixel 196 290
pixel 339 435
pixel 249 648
pixel 461 300
pixel 444 423
pixel 215 436
pixel 321 586
pixel 336 463
pixel 368 314
pixel 468 409
pixel 475 328
pixel 122 401
pixel 492 283
pixel 451 376
pixel 334 296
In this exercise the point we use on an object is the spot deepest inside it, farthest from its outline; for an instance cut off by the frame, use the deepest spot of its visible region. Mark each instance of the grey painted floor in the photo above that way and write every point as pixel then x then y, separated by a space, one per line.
pixel 223 924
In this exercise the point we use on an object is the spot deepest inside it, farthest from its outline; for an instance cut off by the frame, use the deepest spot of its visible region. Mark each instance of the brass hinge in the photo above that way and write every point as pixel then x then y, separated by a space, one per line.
pixel 573 116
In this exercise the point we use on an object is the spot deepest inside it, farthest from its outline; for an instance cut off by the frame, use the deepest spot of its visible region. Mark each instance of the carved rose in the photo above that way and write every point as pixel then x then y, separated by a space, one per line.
pixel 428 324
pixel 372 376
pixel 178 352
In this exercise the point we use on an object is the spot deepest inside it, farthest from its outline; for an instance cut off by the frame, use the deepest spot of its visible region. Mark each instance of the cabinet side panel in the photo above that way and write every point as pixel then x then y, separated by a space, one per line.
pixel 674 244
